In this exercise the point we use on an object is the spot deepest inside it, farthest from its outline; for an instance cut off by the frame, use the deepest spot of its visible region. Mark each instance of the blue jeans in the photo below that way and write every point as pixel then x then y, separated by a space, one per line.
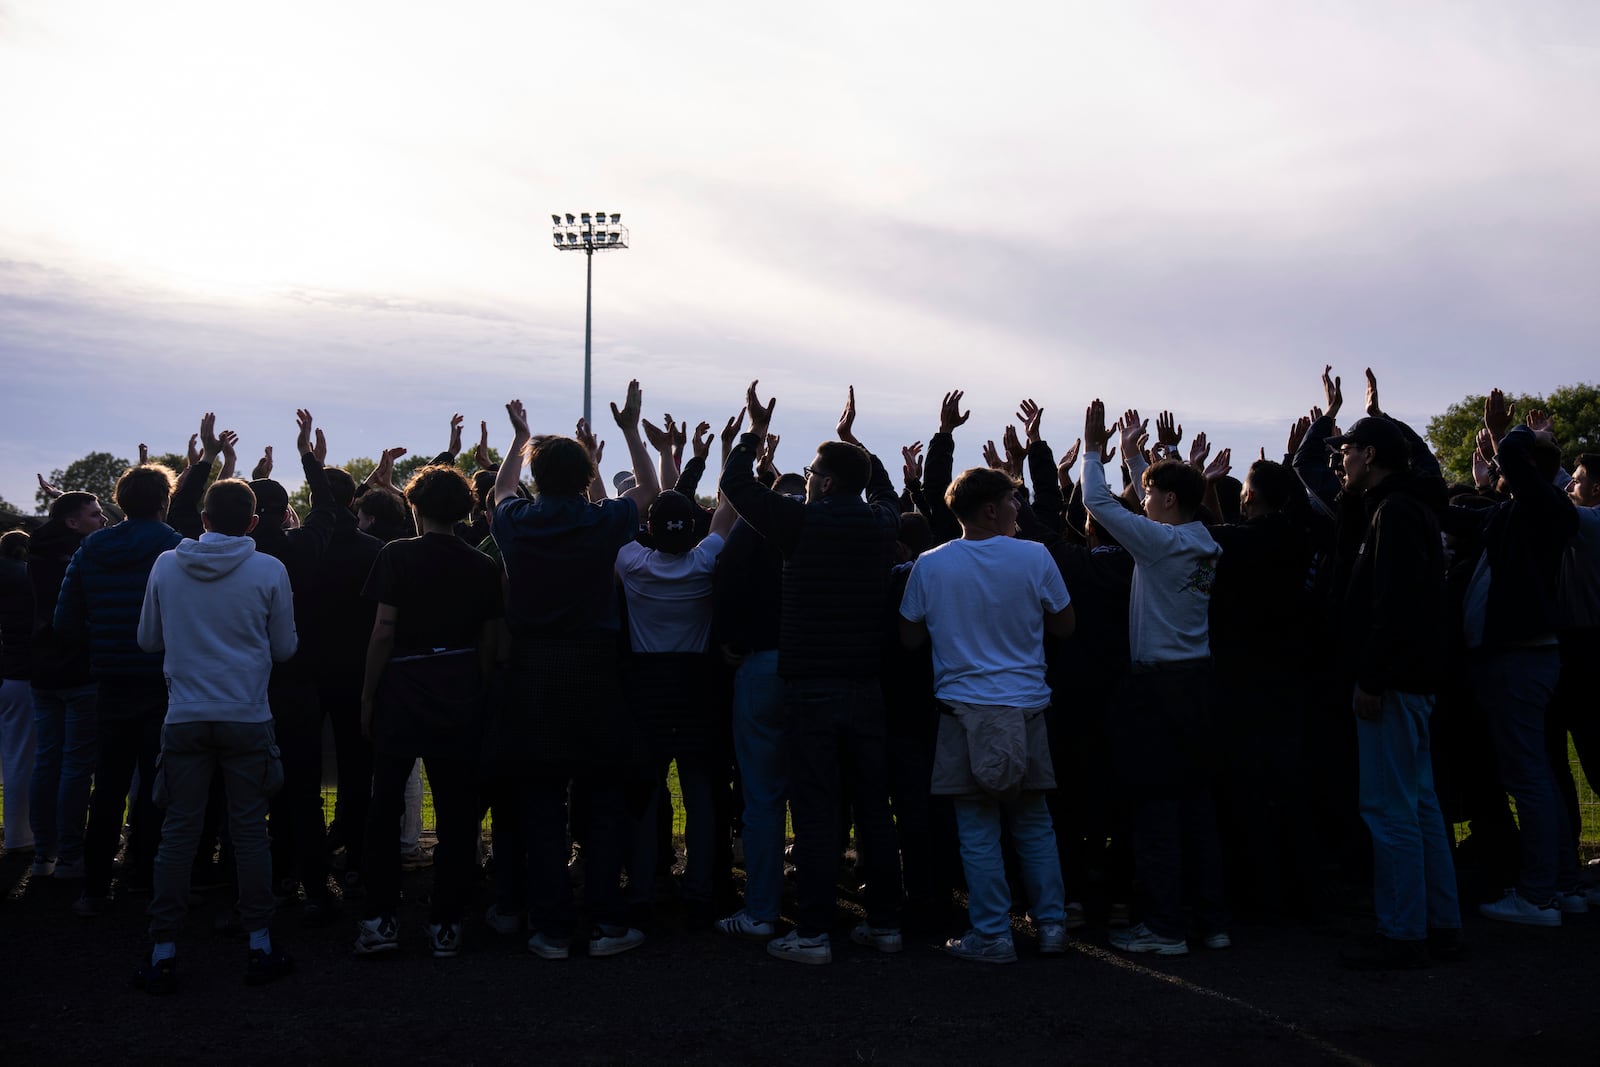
pixel 191 755
pixel 1515 687
pixel 1033 834
pixel 63 768
pixel 758 745
pixel 1413 876
pixel 836 747
pixel 16 760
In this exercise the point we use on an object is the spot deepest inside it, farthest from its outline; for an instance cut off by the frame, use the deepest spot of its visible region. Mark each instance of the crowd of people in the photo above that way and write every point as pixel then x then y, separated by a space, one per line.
pixel 1138 691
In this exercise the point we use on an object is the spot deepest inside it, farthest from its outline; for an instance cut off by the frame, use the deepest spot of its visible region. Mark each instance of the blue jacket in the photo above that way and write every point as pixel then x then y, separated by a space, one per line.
pixel 103 593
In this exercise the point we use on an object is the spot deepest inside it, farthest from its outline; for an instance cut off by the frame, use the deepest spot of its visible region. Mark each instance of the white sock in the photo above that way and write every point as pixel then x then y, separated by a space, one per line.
pixel 261 939
pixel 164 950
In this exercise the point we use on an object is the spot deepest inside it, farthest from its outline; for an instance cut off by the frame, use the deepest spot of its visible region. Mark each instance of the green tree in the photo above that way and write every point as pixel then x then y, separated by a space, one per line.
pixel 95 473
pixel 1575 409
pixel 6 506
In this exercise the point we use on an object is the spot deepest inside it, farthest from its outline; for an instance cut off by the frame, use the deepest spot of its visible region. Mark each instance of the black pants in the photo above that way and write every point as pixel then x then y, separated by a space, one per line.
pixel 339 698
pixel 836 745
pixel 299 842
pixel 129 714
pixel 454 782
pixel 551 910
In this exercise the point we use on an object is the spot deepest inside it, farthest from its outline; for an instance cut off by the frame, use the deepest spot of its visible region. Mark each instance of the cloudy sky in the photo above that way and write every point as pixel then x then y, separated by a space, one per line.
pixel 345 206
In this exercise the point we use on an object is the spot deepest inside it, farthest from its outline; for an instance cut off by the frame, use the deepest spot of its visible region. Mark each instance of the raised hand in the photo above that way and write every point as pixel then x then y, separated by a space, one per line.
pixel 320 449
pixel 1540 422
pixel 1134 432
pixel 263 467
pixel 627 415
pixel 1016 455
pixel 730 431
pixel 1095 434
pixel 1219 467
pixel 847 421
pixel 230 458
pixel 585 437
pixel 1069 458
pixel 679 432
pixel 702 440
pixel 991 457
pixel 1482 473
pixel 911 457
pixel 303 423
pixel 1199 450
pixel 1168 433
pixel 194 449
pixel 480 455
pixel 769 451
pixel 144 453
pixel 49 490
pixel 209 445
pixel 384 475
pixel 1486 444
pixel 950 413
pixel 1497 414
pixel 760 416
pixel 1029 414
pixel 519 421
pixel 1297 433
pixel 455 435
pixel 1332 390
pixel 1372 394
pixel 658 439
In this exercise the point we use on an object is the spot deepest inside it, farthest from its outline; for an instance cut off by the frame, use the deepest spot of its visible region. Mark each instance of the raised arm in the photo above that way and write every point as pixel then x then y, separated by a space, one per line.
pixel 509 477
pixel 773 515
pixel 646 485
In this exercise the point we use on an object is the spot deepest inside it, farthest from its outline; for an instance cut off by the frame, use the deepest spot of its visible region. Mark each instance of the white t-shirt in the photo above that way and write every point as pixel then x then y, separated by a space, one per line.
pixel 985 603
pixel 669 596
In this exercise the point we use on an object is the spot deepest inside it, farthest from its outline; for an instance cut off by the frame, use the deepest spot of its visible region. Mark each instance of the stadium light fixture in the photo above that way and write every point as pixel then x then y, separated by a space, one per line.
pixel 573 236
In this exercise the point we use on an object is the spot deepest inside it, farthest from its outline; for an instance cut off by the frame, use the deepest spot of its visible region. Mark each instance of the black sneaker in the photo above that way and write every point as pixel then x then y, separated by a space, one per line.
pixel 157 979
pixel 267 967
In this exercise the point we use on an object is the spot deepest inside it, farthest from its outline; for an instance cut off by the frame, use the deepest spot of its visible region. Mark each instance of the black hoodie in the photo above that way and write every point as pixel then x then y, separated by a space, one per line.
pixel 56 661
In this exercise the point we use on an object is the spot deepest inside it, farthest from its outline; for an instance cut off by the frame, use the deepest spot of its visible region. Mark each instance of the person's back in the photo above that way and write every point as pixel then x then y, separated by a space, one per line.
pixel 224 614
pixel 220 614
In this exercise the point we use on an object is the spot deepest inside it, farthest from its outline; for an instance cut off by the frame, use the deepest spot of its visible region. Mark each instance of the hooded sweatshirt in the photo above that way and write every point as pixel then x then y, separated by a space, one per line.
pixel 223 613
pixel 102 591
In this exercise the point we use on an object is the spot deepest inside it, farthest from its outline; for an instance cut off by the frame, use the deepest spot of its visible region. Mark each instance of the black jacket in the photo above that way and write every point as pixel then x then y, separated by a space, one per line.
pixel 56 661
pixel 1394 612
pixel 16 620
pixel 837 552
pixel 1524 538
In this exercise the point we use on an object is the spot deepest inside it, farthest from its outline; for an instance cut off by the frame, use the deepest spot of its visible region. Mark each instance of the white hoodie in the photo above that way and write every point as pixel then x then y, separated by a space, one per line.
pixel 223 613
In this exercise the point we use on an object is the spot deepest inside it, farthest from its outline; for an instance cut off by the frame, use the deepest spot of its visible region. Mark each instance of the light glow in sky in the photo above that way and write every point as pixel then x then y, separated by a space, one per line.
pixel 345 207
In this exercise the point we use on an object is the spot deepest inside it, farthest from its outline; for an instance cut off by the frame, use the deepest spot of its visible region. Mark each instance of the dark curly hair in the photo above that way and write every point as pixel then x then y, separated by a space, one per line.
pixel 441 493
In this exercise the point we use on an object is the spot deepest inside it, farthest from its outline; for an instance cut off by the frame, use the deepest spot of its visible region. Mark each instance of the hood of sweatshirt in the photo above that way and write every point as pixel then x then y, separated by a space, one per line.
pixel 54 540
pixel 129 545
pixel 213 556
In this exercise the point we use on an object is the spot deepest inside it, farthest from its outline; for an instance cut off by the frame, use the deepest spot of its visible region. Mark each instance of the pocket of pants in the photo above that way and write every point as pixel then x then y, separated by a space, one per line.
pixel 272 773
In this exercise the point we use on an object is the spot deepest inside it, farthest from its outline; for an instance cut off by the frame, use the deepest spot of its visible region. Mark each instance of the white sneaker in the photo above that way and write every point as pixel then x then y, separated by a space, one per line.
pixel 374 936
pixel 1572 902
pixel 1513 908
pixel 1218 940
pixel 791 946
pixel 69 871
pixel 740 924
pixel 42 867
pixel 614 940
pixel 445 940
pixel 882 938
pixel 500 922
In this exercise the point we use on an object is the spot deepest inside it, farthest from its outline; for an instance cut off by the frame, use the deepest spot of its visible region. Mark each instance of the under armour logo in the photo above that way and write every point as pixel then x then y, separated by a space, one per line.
pixel 675 524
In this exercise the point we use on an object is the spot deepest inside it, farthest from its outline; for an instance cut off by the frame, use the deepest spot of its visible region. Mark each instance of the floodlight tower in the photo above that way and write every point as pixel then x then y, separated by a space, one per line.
pixel 590 233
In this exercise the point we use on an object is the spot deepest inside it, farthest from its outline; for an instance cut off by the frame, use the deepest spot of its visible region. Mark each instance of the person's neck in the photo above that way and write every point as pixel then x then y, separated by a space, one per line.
pixel 428 526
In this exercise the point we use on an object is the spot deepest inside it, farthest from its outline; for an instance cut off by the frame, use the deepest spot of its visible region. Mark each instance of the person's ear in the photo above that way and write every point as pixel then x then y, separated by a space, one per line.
pixel 253 520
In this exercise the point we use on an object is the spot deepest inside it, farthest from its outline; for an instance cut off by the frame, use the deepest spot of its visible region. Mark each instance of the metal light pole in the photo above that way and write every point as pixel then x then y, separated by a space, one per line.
pixel 589 233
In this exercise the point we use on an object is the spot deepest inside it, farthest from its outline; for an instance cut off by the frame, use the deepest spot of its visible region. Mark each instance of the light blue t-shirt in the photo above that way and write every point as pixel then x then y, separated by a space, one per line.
pixel 984 603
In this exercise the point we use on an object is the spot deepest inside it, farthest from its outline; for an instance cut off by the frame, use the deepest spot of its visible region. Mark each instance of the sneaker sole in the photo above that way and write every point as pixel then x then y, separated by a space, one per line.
pixel 746 933
pixel 1523 920
pixel 795 957
pixel 887 948
pixel 550 953
pixel 376 950
pixel 612 950
pixel 954 954
pixel 1153 950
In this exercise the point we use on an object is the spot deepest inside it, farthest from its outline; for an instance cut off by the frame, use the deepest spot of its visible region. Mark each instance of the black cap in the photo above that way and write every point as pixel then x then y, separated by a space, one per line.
pixel 672 522
pixel 1376 432
pixel 271 497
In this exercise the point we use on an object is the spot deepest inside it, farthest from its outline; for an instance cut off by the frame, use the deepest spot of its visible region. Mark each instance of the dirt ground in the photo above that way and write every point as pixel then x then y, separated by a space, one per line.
pixel 1524 996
